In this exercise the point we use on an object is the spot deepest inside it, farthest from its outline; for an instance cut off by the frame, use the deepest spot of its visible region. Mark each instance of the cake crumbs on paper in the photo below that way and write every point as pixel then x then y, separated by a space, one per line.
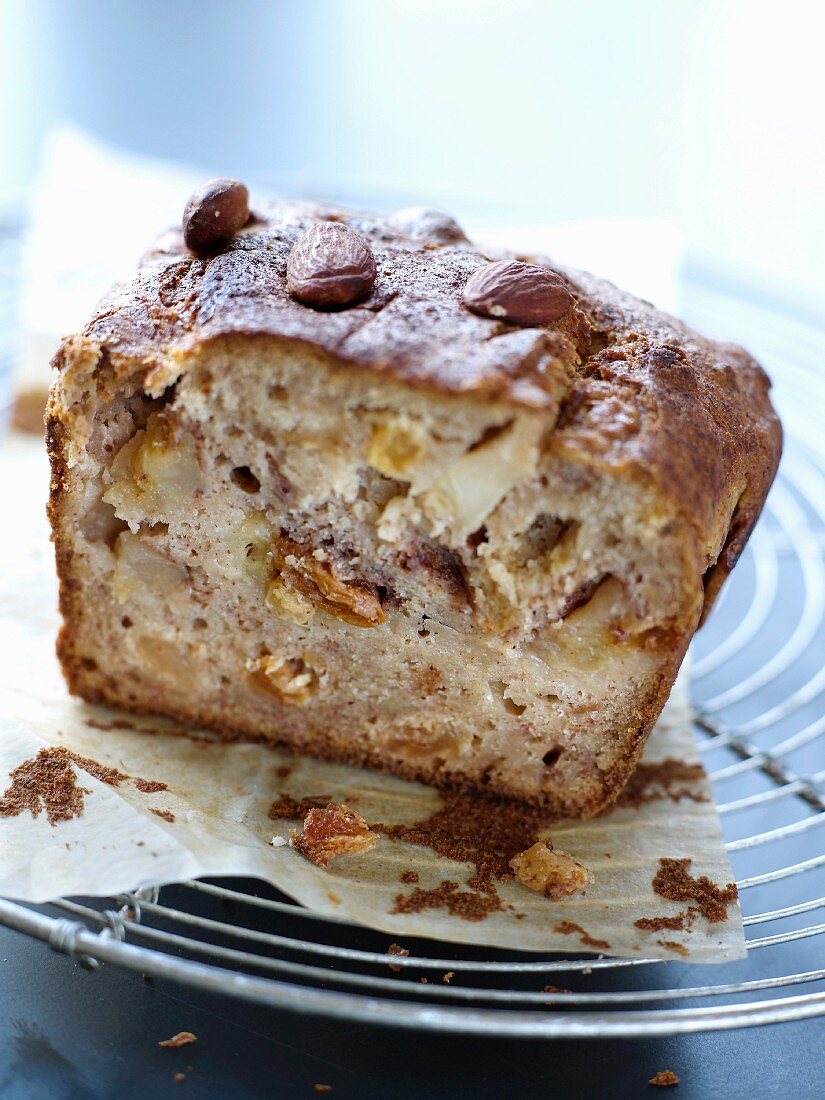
pixel 486 832
pixel 333 831
pixel 182 1039
pixel 150 786
pixel 672 924
pixel 569 927
pixel 470 905
pixel 672 945
pixel 167 815
pixel 674 882
pixel 664 1079
pixel 288 808
pixel 409 878
pixel 670 778
pixel 48 782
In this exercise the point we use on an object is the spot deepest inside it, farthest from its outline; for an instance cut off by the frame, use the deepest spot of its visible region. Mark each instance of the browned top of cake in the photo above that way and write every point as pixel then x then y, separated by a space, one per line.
pixel 632 388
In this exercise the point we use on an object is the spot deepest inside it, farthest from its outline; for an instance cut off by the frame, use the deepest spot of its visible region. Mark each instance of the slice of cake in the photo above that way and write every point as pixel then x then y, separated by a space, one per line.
pixel 348 485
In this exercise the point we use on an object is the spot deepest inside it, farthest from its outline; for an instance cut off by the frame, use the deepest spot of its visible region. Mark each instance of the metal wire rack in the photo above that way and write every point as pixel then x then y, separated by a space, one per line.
pixel 759 693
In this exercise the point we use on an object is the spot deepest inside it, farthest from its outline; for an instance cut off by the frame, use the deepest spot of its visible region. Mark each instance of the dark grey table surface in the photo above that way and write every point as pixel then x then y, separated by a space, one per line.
pixel 67 1034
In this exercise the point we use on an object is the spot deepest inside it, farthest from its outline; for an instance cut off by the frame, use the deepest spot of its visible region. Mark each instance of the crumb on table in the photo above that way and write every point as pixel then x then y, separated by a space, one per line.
pixel 182 1039
pixel 664 1079
pixel 396 949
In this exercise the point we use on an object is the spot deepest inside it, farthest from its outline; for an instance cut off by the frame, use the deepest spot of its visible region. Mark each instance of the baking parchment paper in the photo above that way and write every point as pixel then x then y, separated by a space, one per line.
pixel 219 796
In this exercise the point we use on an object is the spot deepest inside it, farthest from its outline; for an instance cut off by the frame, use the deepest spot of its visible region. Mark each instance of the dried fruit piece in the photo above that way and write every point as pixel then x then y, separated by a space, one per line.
pixel 356 601
pixel 139 567
pixel 153 473
pixel 468 491
pixel 214 214
pixel 288 603
pixel 331 265
pixel 290 680
pixel 554 874
pixel 524 294
pixel 332 831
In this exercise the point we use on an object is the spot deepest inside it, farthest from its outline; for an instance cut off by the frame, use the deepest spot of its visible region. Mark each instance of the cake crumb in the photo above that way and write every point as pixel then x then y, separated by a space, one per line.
pixel 674 881
pixel 287 807
pixel 664 1079
pixel 670 778
pixel 46 782
pixel 278 842
pixel 568 928
pixel 150 786
pixel 672 945
pixel 448 977
pixel 318 1087
pixel 470 905
pixel 182 1039
pixel 550 872
pixel 167 815
pixel 179 1077
pixel 332 831
pixel 659 924
pixel 555 989
pixel 409 878
pixel 486 832
pixel 396 949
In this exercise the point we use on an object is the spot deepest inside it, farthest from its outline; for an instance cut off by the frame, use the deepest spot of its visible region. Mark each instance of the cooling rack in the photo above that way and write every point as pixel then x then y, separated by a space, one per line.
pixel 758 682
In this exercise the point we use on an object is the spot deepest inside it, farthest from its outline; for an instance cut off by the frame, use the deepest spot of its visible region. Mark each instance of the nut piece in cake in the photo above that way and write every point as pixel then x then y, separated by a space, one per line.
pixel 547 871
pixel 290 680
pixel 332 831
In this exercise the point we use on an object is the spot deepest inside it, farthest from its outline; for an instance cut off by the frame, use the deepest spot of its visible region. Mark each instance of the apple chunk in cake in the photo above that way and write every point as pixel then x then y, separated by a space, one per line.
pixel 463 544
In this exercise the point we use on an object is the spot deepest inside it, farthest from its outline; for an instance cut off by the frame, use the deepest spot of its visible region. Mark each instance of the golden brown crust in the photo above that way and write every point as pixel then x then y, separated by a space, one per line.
pixel 651 398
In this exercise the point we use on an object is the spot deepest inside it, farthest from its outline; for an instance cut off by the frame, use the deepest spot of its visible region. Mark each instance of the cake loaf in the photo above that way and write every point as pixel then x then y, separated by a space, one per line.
pixel 350 485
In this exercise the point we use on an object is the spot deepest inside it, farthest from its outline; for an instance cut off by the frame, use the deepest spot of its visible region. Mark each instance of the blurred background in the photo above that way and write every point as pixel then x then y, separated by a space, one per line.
pixel 641 138
pixel 708 115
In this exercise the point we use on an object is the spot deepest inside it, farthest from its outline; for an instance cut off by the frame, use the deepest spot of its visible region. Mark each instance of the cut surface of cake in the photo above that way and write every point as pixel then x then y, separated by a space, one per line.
pixel 349 485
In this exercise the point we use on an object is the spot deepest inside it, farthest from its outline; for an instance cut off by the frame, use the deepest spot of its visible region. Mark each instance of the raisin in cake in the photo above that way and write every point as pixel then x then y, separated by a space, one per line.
pixel 350 485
